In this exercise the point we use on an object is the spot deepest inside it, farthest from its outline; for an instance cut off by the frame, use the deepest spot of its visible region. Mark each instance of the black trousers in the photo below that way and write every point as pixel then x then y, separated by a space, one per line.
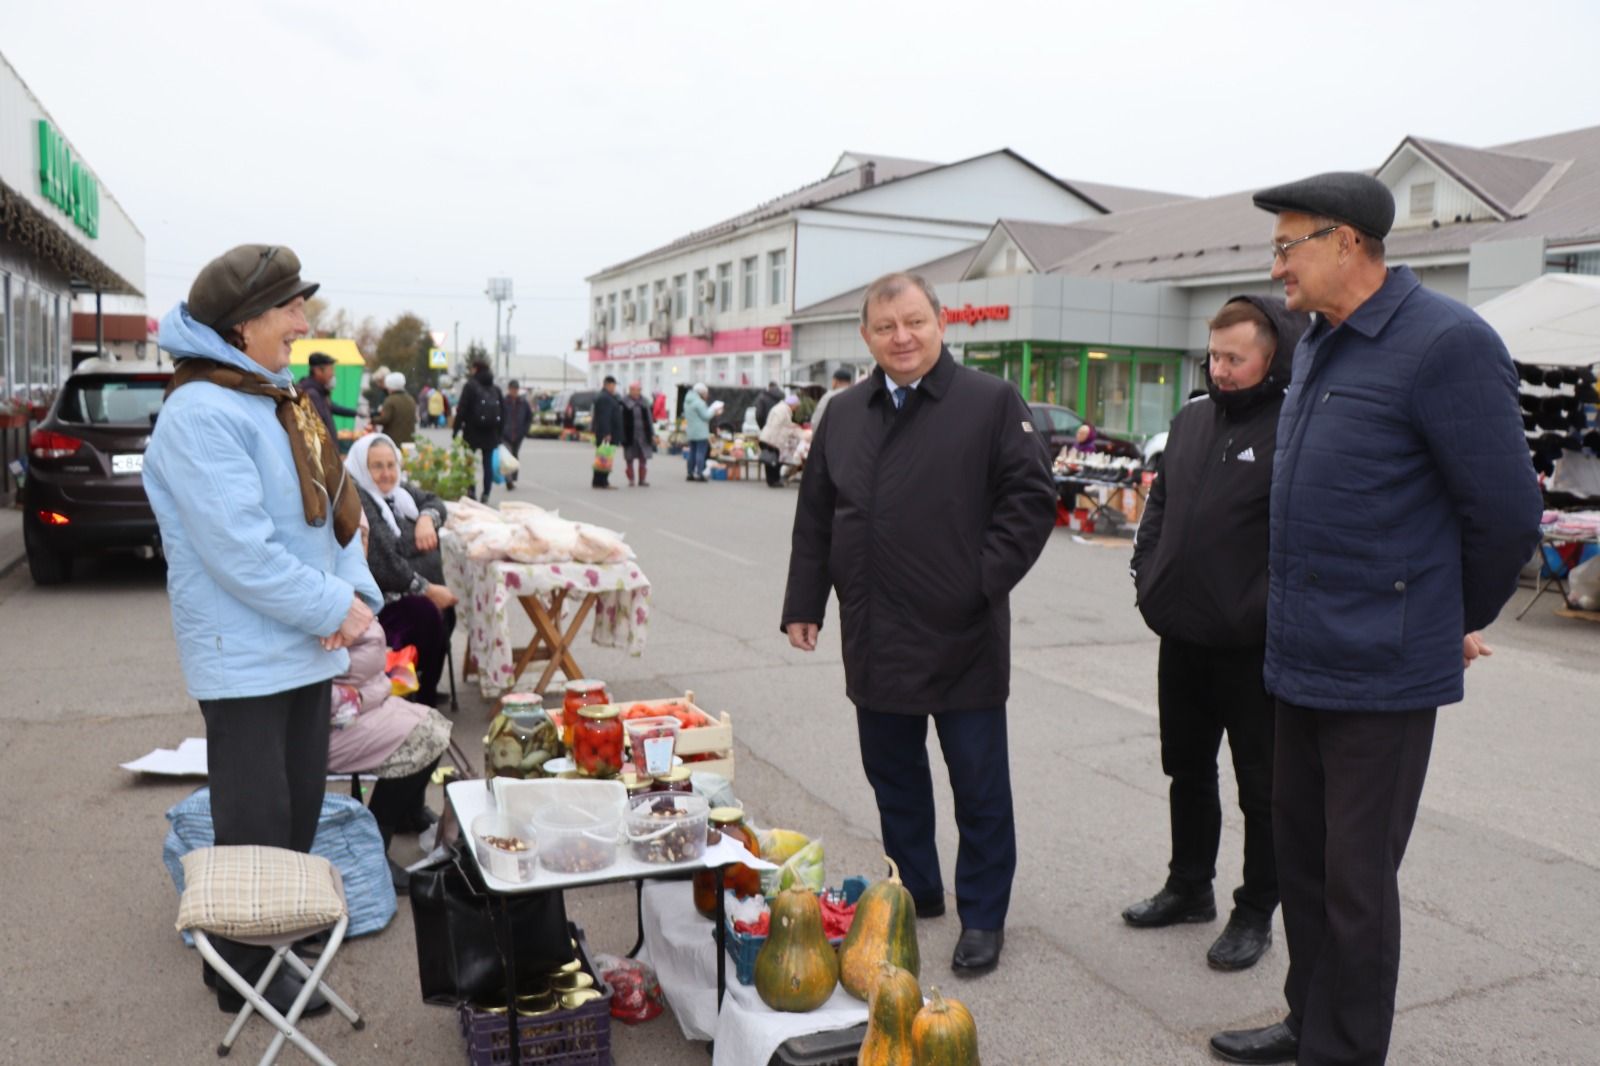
pixel 397 802
pixel 488 472
pixel 1346 786
pixel 1205 692
pixel 894 754
pixel 267 759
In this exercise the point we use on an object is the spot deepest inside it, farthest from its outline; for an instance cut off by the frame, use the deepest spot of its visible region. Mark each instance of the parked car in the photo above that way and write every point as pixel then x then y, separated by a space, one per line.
pixel 576 407
pixel 1060 428
pixel 84 489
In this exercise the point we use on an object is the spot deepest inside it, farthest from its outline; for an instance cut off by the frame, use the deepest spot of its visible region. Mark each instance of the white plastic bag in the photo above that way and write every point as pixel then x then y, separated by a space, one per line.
pixel 509 464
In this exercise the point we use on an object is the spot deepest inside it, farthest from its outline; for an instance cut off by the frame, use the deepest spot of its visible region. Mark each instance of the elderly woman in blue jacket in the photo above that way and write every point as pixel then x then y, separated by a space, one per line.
pixel 697 415
pixel 264 565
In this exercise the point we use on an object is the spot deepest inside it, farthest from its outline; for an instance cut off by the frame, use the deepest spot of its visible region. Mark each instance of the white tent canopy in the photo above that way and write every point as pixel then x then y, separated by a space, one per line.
pixel 1553 320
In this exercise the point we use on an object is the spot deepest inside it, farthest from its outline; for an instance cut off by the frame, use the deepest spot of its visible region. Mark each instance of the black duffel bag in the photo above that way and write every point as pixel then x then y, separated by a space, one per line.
pixel 461 928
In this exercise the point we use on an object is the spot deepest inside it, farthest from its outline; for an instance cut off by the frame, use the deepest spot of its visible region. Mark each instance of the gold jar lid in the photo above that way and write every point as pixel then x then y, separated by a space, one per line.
pixel 675 776
pixel 726 815
pixel 574 1000
pixel 534 1004
pixel 572 966
pixel 599 711
pixel 572 982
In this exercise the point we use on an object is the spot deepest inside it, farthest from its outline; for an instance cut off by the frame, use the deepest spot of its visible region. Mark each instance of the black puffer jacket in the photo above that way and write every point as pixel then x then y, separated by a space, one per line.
pixel 1200 557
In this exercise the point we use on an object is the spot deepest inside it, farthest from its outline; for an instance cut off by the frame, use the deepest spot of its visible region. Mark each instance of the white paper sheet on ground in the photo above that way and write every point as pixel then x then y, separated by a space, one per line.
pixel 188 761
pixel 680 946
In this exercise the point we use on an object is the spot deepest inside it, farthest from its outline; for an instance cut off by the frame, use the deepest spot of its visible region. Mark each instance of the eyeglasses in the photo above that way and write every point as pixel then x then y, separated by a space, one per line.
pixel 1281 251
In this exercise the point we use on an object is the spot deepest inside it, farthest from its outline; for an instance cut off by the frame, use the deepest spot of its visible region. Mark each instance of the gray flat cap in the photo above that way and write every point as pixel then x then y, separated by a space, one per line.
pixel 1358 200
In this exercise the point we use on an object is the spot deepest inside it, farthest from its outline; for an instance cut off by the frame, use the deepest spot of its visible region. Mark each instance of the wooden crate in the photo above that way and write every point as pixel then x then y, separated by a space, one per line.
pixel 716 738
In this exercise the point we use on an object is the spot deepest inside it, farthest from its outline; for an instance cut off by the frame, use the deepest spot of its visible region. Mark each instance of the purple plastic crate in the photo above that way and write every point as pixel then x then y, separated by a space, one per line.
pixel 580 1037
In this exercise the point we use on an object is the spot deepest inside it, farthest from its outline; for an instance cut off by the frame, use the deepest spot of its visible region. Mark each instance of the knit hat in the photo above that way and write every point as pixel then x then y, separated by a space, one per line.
pixel 243 282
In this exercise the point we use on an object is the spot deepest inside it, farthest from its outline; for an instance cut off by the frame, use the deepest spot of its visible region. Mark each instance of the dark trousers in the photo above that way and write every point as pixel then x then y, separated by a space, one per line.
pixel 894 754
pixel 267 759
pixel 416 621
pixel 488 473
pixel 397 802
pixel 1205 692
pixel 1346 785
pixel 774 469
pixel 695 455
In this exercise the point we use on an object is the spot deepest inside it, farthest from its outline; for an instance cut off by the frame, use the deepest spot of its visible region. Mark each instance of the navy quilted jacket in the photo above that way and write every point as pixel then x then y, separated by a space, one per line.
pixel 1404 503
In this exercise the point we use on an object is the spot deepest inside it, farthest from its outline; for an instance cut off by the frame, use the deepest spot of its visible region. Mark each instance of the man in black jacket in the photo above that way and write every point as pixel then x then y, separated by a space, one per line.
pixel 317 386
pixel 516 417
pixel 606 422
pixel 770 397
pixel 479 417
pixel 1200 568
pixel 927 497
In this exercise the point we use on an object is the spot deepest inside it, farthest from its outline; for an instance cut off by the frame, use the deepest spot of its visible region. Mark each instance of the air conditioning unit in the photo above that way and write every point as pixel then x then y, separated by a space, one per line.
pixel 627 312
pixel 661 327
pixel 707 291
pixel 597 336
pixel 663 304
pixel 700 326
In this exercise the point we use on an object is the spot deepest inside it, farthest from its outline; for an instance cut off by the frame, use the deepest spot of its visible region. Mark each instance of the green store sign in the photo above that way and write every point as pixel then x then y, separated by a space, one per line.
pixel 66 182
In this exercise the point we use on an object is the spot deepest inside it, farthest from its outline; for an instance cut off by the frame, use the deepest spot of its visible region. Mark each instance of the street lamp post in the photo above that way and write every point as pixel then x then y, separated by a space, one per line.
pixel 510 342
pixel 499 291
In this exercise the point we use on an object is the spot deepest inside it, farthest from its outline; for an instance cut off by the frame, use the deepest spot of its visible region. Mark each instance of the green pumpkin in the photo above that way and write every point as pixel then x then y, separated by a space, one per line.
pixel 884 930
pixel 796 969
pixel 893 1005
pixel 944 1034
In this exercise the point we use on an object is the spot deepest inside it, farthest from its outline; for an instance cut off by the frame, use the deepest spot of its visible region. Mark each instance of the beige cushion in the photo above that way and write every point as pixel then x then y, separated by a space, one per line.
pixel 258 891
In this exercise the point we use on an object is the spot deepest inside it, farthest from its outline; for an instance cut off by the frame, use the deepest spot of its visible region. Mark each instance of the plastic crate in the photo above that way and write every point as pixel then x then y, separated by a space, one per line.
pixel 836 1048
pixel 744 947
pixel 580 1037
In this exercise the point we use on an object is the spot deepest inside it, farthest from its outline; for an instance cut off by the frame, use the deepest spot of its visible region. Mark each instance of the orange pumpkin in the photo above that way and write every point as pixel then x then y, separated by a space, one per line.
pixel 944 1034
pixel 884 930
pixel 796 969
pixel 894 1002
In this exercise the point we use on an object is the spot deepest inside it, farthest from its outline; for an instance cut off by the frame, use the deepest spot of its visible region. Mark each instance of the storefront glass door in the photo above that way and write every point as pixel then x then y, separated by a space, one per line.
pixel 1156 385
pixel 1108 394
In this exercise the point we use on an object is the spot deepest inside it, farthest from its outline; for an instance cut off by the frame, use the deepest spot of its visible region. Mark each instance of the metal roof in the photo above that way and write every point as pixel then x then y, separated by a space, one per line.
pixel 947 268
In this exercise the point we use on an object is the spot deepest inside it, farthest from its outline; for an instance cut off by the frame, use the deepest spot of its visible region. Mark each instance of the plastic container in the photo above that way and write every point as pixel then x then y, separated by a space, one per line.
pixel 573 840
pixel 491 832
pixel 668 827
pixel 653 740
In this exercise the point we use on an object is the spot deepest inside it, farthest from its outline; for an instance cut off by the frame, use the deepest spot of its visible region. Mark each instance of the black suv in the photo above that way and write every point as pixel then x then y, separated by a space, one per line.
pixel 85 489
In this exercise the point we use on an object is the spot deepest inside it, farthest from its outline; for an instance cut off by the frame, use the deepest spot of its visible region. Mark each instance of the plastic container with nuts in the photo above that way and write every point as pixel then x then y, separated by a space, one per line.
pixel 667 827
pixel 506 847
pixel 576 840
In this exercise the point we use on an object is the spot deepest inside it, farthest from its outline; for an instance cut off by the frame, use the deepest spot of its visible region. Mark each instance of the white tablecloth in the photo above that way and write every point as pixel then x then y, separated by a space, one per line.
pixel 486 590
pixel 679 944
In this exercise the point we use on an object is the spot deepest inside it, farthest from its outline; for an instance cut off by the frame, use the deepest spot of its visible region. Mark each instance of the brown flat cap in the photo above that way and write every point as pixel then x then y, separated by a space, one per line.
pixel 243 282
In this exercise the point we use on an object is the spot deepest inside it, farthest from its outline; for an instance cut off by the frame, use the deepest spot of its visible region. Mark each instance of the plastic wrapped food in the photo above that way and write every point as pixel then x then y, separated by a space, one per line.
pixel 635 992
pixel 804 869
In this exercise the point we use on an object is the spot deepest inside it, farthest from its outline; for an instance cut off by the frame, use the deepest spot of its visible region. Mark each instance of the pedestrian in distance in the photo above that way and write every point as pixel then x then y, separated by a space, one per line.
pixel 638 433
pixel 843 378
pixel 606 423
pixel 317 386
pixel 260 528
pixel 1403 509
pixel 437 406
pixel 1200 570
pixel 770 397
pixel 517 417
pixel 697 415
pixel 779 438
pixel 927 497
pixel 397 417
pixel 479 418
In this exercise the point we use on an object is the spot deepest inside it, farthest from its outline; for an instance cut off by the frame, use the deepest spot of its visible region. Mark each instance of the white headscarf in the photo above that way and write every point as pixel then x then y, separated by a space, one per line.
pixel 356 464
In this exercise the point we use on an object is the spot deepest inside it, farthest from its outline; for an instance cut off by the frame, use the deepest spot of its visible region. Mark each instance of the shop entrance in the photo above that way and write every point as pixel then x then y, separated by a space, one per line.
pixel 1126 391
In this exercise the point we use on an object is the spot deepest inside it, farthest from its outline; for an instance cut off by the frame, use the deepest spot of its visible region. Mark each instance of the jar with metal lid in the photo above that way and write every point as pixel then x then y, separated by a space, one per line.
pixel 636 783
pixel 581 692
pixel 738 878
pixel 597 741
pixel 674 780
pixel 521 740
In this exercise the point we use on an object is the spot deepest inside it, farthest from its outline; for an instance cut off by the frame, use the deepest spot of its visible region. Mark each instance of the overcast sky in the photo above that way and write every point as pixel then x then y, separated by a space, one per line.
pixel 409 151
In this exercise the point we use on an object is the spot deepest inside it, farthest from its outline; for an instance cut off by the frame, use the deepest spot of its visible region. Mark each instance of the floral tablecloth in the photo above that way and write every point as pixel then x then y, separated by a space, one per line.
pixel 487 590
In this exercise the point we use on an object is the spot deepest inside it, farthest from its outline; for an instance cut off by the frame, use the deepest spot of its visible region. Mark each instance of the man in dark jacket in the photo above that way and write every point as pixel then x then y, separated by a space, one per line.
pixel 479 415
pixel 927 497
pixel 516 417
pixel 1200 567
pixel 770 397
pixel 317 386
pixel 1404 506
pixel 606 422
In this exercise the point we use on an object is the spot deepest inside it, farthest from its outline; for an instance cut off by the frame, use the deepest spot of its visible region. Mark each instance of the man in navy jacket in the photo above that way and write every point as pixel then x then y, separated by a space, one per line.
pixel 1403 507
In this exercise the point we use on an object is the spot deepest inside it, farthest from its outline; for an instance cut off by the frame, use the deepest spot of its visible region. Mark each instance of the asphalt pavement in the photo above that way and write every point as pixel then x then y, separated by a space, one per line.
pixel 1501 884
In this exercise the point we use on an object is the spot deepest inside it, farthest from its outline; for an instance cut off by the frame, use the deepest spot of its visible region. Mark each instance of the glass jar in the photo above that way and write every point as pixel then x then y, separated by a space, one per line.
pixel 674 780
pixel 584 692
pixel 739 879
pixel 597 741
pixel 636 783
pixel 521 740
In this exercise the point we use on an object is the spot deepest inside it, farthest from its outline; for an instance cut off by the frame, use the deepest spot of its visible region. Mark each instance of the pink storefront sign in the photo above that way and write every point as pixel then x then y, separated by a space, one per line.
pixel 754 339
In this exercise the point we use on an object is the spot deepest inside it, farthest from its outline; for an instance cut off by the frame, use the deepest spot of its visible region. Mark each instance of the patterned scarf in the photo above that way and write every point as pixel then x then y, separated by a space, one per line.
pixel 316 455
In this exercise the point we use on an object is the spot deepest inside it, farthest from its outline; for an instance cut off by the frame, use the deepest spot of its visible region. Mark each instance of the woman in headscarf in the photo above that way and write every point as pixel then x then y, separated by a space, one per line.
pixel 779 438
pixel 403 555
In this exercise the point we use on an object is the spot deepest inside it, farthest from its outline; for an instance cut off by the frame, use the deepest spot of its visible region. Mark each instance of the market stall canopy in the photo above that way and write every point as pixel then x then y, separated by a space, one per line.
pixel 1553 320
pixel 344 352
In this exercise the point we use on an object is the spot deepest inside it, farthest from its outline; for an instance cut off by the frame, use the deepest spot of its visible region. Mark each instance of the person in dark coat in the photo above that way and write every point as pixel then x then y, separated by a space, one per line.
pixel 1200 567
pixel 397 418
pixel 317 386
pixel 606 424
pixel 638 433
pixel 517 417
pixel 770 397
pixel 479 415
pixel 1403 508
pixel 927 497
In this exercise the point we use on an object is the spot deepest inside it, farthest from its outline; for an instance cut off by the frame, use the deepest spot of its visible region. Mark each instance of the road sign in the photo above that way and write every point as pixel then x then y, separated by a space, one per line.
pixel 437 359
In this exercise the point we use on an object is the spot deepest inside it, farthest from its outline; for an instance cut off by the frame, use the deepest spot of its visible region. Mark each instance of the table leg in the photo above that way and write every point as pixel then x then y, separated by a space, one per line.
pixel 638 914
pixel 1540 587
pixel 534 607
pixel 560 645
pixel 721 935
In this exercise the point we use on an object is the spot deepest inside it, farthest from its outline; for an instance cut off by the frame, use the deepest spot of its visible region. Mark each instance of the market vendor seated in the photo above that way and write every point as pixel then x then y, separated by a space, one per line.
pixel 404 558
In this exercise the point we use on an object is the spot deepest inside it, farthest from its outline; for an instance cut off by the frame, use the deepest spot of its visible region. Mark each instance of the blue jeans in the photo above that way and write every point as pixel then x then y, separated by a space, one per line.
pixel 698 450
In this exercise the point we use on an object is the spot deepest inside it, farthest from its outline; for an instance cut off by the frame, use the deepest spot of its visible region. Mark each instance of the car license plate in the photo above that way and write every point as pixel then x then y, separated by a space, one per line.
pixel 127 464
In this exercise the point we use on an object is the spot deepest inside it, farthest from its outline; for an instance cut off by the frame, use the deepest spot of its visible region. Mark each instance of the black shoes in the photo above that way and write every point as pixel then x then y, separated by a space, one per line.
pixel 978 951
pixel 930 908
pixel 1242 943
pixel 1274 1043
pixel 1170 908
pixel 281 992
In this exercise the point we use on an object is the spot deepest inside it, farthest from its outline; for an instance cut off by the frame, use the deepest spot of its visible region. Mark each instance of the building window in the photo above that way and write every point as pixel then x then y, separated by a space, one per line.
pixel 611 311
pixel 659 307
pixel 777 277
pixel 701 301
pixel 641 313
pixel 1422 199
pixel 724 287
pixel 680 296
pixel 747 283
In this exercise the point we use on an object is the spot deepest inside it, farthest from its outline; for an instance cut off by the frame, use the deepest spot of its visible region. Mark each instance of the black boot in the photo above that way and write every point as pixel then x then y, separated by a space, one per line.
pixel 1242 943
pixel 1170 907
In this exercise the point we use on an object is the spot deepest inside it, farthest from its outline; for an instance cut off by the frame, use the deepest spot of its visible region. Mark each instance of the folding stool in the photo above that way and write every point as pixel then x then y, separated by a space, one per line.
pixel 267 897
